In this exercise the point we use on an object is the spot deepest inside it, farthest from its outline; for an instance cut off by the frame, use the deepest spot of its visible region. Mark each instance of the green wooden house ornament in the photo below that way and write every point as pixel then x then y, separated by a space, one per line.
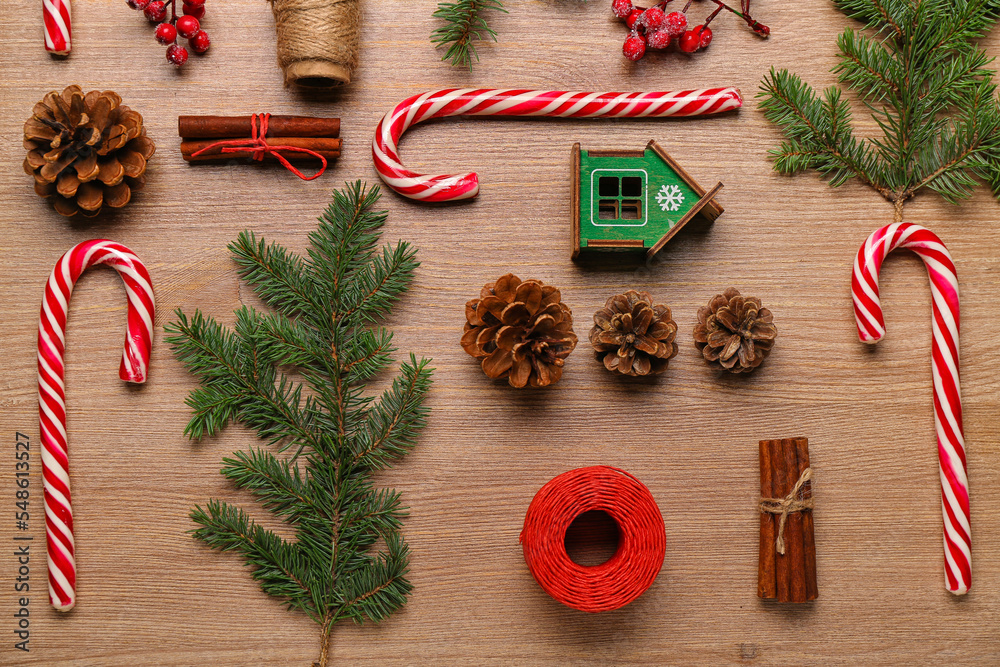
pixel 633 201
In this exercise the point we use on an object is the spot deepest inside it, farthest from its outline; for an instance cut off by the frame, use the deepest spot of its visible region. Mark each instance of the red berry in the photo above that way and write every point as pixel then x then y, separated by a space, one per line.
pixel 177 55
pixel 155 11
pixel 689 42
pixel 635 47
pixel 137 4
pixel 676 23
pixel 187 26
pixel 633 18
pixel 659 39
pixel 194 3
pixel 653 18
pixel 705 36
pixel 166 33
pixel 196 11
pixel 621 8
pixel 200 42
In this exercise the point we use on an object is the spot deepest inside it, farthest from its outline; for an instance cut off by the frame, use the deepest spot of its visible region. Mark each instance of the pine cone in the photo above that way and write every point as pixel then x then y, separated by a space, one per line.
pixel 632 336
pixel 521 331
pixel 735 332
pixel 86 151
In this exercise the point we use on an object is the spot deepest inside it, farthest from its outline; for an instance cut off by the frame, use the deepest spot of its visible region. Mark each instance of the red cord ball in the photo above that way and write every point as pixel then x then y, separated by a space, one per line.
pixel 641 545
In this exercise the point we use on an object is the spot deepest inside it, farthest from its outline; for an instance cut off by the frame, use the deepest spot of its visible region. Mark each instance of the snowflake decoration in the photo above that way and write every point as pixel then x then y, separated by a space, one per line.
pixel 670 198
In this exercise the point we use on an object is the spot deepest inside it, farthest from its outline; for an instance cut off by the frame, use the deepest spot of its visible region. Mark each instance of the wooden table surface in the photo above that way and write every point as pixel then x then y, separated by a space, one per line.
pixel 149 594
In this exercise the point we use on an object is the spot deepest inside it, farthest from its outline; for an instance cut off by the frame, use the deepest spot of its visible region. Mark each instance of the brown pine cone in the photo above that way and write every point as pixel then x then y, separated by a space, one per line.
pixel 521 331
pixel 632 336
pixel 86 151
pixel 735 332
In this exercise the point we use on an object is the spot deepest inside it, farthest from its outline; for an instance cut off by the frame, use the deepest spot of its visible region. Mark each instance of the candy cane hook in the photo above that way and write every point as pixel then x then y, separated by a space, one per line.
pixel 947 397
pixel 489 102
pixel 52 394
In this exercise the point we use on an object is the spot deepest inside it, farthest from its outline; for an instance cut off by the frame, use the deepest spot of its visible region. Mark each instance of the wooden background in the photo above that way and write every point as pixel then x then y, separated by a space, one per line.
pixel 149 594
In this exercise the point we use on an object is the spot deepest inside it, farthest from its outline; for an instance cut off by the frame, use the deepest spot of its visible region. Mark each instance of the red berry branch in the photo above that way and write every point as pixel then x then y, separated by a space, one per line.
pixel 186 26
pixel 654 28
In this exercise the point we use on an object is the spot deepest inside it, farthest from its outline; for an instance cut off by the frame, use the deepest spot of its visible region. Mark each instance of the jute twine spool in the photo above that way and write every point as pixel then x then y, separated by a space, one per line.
pixel 641 546
pixel 317 40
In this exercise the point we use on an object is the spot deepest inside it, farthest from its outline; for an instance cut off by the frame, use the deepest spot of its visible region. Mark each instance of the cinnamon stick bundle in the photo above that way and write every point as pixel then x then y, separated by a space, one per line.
pixel 213 137
pixel 787 557
pixel 234 127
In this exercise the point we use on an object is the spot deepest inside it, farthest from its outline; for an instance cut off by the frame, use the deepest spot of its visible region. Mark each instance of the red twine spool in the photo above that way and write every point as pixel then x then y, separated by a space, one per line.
pixel 642 541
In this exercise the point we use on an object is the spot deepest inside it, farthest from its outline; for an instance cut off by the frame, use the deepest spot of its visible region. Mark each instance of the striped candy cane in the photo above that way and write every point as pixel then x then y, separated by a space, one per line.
pixel 947 398
pixel 52 395
pixel 489 102
pixel 56 16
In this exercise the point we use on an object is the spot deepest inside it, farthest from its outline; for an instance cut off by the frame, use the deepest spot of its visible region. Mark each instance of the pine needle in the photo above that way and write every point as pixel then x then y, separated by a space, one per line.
pixel 464 26
pixel 918 70
pixel 326 306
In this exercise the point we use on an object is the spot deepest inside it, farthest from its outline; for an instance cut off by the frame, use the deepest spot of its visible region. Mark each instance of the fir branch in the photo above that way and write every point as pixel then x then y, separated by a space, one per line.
pixel 367 355
pixel 296 376
pixel 877 14
pixel 391 428
pixel 277 484
pixel 464 26
pixel 378 285
pixel 819 131
pixel 276 275
pixel 276 564
pixel 928 88
pixel 234 386
pixel 347 235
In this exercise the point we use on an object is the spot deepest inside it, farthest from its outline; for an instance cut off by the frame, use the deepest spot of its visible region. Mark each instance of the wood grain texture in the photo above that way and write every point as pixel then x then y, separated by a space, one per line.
pixel 149 594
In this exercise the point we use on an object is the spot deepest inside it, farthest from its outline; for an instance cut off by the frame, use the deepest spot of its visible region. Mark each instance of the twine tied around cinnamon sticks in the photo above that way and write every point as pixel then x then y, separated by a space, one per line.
pixel 258 147
pixel 787 505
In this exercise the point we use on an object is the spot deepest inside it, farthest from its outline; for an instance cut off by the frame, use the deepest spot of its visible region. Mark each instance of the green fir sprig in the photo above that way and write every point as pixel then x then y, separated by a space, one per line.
pixel 324 329
pixel 464 26
pixel 927 84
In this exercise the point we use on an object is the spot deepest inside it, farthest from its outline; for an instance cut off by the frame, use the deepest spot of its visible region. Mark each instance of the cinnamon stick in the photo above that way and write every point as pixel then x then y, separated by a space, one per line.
pixel 312 143
pixel 234 127
pixel 327 147
pixel 766 584
pixel 794 553
pixel 268 157
pixel 808 537
pixel 780 486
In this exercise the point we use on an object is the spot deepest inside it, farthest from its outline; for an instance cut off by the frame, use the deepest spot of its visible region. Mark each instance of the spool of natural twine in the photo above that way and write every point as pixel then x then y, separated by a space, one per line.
pixel 317 40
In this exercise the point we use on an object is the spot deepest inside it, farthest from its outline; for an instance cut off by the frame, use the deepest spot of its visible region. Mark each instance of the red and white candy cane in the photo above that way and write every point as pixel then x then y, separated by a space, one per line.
pixel 52 394
pixel 947 397
pixel 58 26
pixel 489 102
